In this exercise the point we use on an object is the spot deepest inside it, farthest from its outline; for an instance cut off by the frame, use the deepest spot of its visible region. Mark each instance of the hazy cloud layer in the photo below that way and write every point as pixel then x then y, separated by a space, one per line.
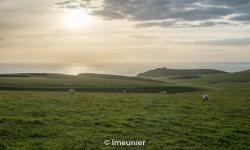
pixel 225 42
pixel 180 25
pixel 241 18
pixel 145 37
pixel 75 4
pixel 167 13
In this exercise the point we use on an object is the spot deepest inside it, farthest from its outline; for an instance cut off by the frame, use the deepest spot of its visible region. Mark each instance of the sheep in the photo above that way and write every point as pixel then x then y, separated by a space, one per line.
pixel 162 92
pixel 72 91
pixel 205 97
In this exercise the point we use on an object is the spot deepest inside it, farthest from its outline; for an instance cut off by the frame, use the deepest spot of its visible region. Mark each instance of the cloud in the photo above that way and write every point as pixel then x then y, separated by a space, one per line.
pixel 156 24
pixel 228 2
pixel 175 24
pixel 241 18
pixel 2 40
pixel 108 15
pixel 158 12
pixel 224 42
pixel 145 37
pixel 75 4
pixel 187 10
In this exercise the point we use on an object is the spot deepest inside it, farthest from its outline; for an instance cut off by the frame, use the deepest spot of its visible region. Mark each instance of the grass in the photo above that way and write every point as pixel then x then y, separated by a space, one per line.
pixel 179 121
pixel 73 81
pixel 88 83
pixel 57 120
pixel 159 72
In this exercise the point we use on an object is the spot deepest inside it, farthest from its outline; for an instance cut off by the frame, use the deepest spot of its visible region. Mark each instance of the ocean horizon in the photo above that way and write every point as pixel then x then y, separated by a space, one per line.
pixel 120 69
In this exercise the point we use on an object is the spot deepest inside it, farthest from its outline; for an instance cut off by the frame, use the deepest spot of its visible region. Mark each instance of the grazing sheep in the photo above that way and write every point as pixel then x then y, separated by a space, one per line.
pixel 162 92
pixel 72 91
pixel 205 97
pixel 124 91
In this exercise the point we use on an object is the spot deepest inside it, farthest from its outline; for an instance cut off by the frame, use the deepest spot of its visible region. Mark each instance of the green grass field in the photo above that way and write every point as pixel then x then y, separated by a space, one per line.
pixel 88 83
pixel 53 120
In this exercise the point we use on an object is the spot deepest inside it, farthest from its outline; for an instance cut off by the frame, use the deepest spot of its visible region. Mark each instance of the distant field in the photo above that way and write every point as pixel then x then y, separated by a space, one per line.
pixel 83 120
pixel 208 80
pixel 88 83
pixel 58 120
pixel 159 72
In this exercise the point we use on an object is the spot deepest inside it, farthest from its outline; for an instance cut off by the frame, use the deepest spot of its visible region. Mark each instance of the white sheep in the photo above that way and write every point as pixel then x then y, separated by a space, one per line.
pixel 205 97
pixel 72 91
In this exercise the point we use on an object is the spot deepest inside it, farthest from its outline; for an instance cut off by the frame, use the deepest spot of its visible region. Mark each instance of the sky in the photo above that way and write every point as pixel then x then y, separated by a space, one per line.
pixel 85 33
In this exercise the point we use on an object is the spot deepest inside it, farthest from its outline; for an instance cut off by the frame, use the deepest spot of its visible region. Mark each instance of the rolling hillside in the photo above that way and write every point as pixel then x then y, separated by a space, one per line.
pixel 87 82
pixel 60 120
pixel 221 80
pixel 163 72
pixel 243 76
pixel 115 77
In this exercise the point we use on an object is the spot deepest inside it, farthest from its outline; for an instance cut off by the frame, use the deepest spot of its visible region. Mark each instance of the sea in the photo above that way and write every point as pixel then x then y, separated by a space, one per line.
pixel 128 69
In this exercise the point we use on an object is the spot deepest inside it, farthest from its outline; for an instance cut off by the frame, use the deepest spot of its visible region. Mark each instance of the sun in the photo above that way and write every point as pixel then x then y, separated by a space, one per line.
pixel 77 18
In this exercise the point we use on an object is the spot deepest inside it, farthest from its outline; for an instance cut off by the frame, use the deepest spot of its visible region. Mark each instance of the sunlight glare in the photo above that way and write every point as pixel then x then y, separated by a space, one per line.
pixel 77 18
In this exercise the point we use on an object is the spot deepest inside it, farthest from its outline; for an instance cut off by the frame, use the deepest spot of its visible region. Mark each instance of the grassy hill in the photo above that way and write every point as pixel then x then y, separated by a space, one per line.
pixel 108 76
pixel 218 81
pixel 86 82
pixel 163 72
pixel 243 76
pixel 60 120
pixel 200 78
pixel 56 75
